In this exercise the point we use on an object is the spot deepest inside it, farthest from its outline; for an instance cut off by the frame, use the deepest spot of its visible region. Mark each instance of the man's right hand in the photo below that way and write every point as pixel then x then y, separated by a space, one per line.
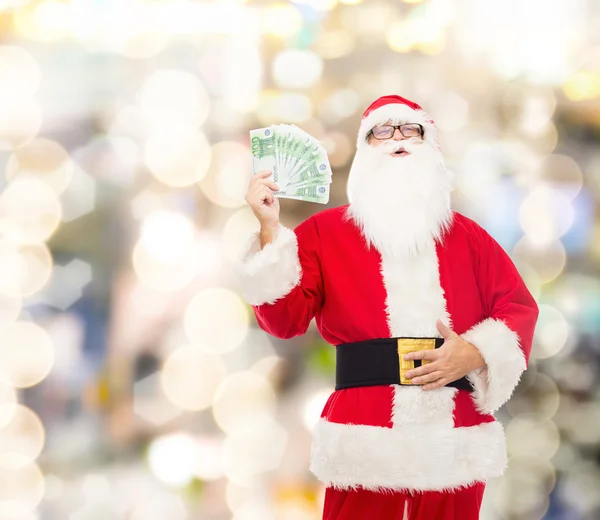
pixel 264 204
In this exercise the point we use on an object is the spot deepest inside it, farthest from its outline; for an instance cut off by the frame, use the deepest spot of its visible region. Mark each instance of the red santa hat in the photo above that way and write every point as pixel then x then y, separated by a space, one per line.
pixel 398 110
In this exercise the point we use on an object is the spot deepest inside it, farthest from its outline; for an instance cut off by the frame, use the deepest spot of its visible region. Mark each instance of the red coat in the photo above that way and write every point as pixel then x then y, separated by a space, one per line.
pixel 394 436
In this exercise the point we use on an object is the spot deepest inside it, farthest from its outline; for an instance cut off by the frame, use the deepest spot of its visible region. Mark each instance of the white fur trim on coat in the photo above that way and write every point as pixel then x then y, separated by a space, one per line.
pixel 268 274
pixel 415 298
pixel 412 406
pixel 505 362
pixel 398 113
pixel 345 456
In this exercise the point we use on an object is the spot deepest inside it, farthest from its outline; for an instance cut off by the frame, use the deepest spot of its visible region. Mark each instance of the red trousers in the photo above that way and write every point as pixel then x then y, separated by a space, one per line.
pixel 461 504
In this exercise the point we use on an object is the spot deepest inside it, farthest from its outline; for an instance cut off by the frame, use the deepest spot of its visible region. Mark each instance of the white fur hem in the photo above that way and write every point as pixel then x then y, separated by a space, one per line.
pixel 268 274
pixel 499 346
pixel 418 458
pixel 398 112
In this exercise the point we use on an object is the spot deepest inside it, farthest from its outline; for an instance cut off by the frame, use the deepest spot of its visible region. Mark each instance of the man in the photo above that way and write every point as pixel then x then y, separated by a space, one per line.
pixel 432 325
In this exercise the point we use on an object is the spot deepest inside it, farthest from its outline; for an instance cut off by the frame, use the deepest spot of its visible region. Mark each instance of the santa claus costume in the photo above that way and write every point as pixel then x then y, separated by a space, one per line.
pixel 378 272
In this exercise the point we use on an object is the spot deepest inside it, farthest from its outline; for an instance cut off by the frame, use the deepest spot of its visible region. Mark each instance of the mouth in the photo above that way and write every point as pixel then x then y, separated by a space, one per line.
pixel 401 152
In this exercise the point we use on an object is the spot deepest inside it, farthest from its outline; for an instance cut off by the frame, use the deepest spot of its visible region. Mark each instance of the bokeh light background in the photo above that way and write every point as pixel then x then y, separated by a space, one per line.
pixel 134 383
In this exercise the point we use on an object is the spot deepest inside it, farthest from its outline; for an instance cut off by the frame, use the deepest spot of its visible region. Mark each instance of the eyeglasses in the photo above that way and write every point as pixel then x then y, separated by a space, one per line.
pixel 407 130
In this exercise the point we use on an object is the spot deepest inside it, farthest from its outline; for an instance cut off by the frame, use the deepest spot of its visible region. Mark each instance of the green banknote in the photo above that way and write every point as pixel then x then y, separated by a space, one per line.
pixel 298 161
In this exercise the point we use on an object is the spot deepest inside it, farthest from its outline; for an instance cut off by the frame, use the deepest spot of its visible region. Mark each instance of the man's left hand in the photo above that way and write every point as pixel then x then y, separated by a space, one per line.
pixel 453 360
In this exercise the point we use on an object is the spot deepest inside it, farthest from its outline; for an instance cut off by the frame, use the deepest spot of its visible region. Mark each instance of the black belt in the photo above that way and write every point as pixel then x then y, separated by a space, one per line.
pixel 380 362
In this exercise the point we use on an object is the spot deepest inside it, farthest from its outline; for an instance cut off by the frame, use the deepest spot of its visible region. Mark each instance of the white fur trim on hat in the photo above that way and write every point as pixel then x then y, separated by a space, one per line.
pixel 398 113
pixel 268 274
pixel 505 362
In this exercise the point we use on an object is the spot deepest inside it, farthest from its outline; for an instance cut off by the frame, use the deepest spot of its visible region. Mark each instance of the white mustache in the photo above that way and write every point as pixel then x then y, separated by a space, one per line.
pixel 409 145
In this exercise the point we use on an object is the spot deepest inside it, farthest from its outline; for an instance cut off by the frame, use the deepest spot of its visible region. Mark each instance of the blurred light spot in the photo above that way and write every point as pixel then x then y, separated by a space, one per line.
pixel 532 437
pixel 21 488
pixel 164 275
pixel 22 437
pixel 26 353
pixel 29 211
pixel 133 31
pixel 96 487
pixel 150 403
pixel 190 378
pixel 576 295
pixel 79 197
pixel 242 68
pixel 562 173
pixel 579 488
pixel 148 201
pixel 281 20
pixel 160 507
pixel 566 457
pixel 339 105
pixel 545 142
pixel 524 487
pixel 42 160
pixel 267 367
pixel 229 175
pixel 46 21
pixel 530 277
pixel 333 44
pixel 350 2
pixel 257 509
pixel 174 98
pixel 177 158
pixel 314 407
pixel 551 333
pixel 548 259
pixel 53 487
pixel 20 122
pixel 216 318
pixel 8 402
pixel 318 5
pixel 236 495
pixel 480 172
pixel 7 5
pixel 539 399
pixel 582 86
pixel 339 149
pixel 422 29
pixel 451 111
pixel 255 449
pixel 209 464
pixel 20 74
pixel 166 257
pixel 24 270
pixel 67 283
pixel 10 307
pixel 295 68
pixel 237 232
pixel 243 401
pixel 546 215
pixel 285 107
pixel 580 421
pixel 530 108
pixel 172 458
pixel 167 235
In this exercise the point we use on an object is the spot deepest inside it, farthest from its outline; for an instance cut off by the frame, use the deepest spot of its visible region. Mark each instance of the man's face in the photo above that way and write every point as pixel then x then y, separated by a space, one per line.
pixel 387 132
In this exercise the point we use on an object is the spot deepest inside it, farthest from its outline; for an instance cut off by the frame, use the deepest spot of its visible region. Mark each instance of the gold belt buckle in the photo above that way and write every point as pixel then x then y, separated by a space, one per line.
pixel 406 345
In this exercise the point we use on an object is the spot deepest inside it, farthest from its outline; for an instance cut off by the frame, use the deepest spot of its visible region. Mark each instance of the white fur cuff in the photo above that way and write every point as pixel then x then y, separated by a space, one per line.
pixel 499 346
pixel 268 274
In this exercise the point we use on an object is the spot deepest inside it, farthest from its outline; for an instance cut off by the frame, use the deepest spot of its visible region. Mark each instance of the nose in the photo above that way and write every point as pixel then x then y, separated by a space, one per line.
pixel 398 135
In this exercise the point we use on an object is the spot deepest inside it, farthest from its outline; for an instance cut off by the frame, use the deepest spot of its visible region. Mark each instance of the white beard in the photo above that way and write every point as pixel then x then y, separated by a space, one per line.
pixel 401 204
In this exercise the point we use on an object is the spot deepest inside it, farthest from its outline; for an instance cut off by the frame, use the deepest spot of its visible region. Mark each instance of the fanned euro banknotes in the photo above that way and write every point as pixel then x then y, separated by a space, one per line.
pixel 298 161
